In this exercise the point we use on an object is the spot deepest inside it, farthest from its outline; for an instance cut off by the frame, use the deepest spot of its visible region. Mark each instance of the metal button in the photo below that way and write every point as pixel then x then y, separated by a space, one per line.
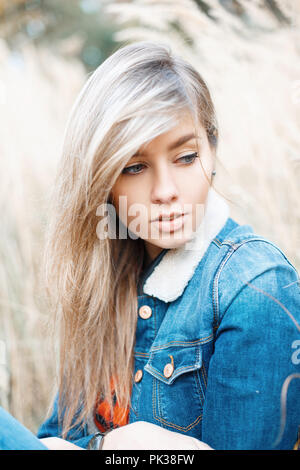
pixel 138 375
pixel 145 312
pixel 168 370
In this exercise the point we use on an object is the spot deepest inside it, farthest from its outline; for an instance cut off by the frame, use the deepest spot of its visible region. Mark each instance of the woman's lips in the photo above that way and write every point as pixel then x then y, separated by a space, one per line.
pixel 170 225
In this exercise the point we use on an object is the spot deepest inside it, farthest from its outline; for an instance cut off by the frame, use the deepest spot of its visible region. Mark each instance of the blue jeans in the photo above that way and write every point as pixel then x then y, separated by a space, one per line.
pixel 14 436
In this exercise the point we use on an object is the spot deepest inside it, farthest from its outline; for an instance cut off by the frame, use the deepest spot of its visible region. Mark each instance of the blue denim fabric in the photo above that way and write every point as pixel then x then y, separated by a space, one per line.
pixel 14 436
pixel 52 427
pixel 231 336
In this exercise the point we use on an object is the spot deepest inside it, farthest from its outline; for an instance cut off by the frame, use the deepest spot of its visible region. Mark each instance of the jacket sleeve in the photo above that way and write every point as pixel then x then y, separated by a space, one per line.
pixel 52 427
pixel 255 354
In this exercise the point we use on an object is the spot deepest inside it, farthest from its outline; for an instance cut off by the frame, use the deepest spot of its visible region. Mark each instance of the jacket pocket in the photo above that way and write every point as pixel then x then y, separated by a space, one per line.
pixel 178 387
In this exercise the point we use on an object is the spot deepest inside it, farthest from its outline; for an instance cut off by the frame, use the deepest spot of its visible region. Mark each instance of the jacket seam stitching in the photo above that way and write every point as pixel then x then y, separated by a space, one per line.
pixel 181 343
pixel 204 375
pixel 176 370
pixel 177 426
pixel 199 388
pixel 162 420
pixel 216 287
pixel 224 242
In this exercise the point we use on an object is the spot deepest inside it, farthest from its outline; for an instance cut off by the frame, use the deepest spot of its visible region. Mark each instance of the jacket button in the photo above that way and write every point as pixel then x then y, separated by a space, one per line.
pixel 168 370
pixel 138 375
pixel 145 312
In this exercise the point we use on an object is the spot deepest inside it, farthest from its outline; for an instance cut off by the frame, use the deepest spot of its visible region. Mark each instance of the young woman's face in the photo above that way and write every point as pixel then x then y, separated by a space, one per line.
pixel 165 177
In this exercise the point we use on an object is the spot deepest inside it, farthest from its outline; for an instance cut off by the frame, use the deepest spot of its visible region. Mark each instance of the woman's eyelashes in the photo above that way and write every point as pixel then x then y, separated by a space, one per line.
pixel 188 159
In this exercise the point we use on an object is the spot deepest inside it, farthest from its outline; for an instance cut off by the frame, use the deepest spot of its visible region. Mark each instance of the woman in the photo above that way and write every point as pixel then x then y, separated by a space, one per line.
pixel 177 324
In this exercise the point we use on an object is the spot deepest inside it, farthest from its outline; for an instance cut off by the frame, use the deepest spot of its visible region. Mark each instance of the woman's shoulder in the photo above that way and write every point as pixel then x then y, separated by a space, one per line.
pixel 248 249
pixel 252 259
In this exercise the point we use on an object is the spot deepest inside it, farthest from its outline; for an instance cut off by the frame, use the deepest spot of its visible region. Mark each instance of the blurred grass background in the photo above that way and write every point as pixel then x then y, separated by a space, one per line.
pixel 248 52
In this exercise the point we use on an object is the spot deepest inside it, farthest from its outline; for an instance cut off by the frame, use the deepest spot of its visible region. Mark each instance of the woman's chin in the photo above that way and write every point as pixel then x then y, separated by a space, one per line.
pixel 170 241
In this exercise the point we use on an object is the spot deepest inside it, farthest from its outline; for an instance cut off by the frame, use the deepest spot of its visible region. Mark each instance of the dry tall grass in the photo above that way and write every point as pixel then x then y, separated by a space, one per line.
pixel 254 76
pixel 36 93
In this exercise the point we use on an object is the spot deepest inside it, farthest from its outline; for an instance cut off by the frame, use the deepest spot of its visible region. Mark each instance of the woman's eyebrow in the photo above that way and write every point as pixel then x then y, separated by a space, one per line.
pixel 182 140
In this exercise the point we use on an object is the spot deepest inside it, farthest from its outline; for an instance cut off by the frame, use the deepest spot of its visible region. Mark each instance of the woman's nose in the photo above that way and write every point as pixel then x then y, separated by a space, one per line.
pixel 164 188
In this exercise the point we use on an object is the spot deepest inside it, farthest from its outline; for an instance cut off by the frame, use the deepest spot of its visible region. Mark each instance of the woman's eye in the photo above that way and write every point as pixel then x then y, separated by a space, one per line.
pixel 191 157
pixel 128 168
pixel 133 169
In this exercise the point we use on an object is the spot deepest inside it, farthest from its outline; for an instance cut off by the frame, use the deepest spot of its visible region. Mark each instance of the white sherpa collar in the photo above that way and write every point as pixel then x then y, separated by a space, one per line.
pixel 170 277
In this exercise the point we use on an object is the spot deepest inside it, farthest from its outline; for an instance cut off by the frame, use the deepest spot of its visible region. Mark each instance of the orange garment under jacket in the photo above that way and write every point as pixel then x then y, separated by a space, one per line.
pixel 103 419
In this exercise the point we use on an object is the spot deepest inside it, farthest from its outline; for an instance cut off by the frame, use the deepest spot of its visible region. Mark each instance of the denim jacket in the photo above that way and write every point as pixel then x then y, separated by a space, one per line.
pixel 217 341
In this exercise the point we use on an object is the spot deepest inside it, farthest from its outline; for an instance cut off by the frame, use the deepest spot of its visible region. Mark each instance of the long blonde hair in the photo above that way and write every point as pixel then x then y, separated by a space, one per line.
pixel 133 96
